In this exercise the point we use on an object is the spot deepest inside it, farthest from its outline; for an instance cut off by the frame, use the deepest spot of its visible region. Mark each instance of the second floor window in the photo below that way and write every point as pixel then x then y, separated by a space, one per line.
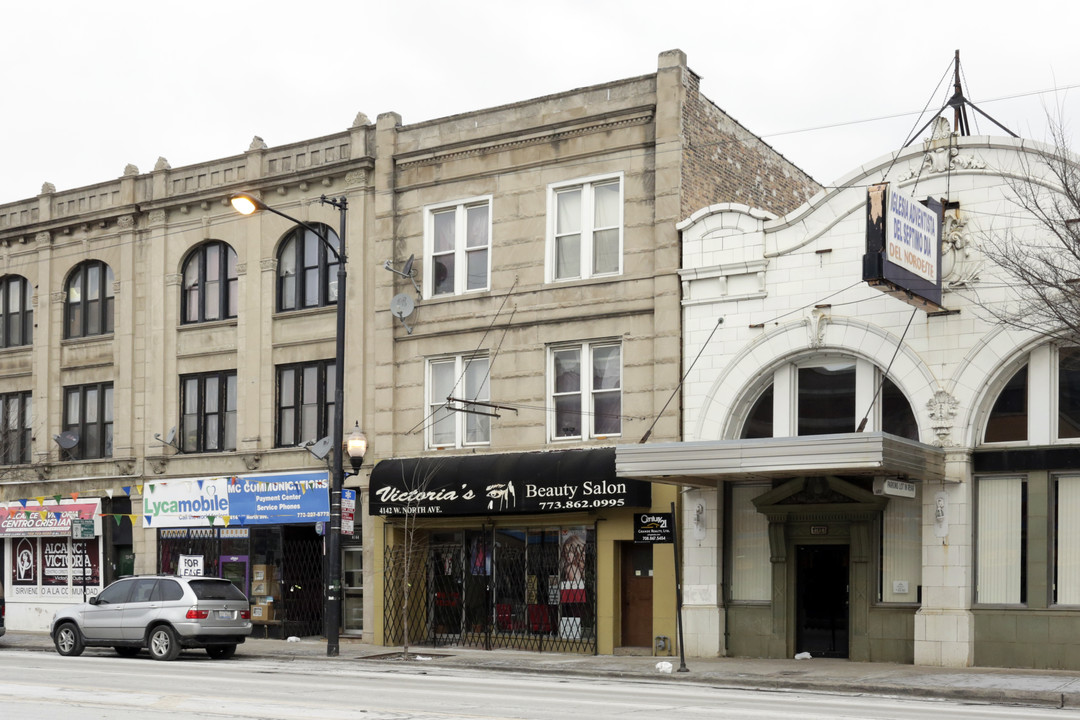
pixel 208 420
pixel 210 284
pixel 457 244
pixel 586 391
pixel 307 269
pixel 88 308
pixel 461 378
pixel 16 414
pixel 305 407
pixel 585 239
pixel 88 413
pixel 16 311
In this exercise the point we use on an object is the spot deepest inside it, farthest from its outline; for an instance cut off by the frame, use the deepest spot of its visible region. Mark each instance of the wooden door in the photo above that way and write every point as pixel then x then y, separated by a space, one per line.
pixel 637 595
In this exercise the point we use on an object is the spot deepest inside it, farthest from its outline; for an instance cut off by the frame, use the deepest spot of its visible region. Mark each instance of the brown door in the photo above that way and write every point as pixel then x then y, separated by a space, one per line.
pixel 637 575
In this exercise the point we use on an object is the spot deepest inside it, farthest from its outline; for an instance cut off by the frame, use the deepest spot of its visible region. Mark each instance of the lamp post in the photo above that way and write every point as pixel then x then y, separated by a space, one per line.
pixel 246 204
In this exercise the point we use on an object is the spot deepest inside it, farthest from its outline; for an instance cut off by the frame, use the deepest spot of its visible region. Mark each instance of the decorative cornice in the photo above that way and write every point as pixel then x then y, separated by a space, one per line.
pixel 268 264
pixel 43 238
pixel 173 279
pixel 241 269
pixel 57 297
pixel 157 217
pixel 602 127
pixel 125 222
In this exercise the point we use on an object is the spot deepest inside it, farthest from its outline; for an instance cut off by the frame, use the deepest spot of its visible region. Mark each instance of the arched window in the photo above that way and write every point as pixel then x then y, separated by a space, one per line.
pixel 210 290
pixel 89 307
pixel 830 396
pixel 16 312
pixel 307 269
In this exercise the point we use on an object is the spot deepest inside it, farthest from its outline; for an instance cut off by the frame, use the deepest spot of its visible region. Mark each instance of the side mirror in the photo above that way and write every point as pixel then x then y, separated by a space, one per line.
pixel 93 600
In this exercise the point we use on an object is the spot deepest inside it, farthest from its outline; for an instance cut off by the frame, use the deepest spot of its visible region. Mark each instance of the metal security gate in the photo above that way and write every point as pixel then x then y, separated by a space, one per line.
pixel 531 589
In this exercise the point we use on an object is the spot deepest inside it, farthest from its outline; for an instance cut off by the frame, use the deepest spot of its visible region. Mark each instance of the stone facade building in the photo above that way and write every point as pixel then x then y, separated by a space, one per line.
pixel 544 283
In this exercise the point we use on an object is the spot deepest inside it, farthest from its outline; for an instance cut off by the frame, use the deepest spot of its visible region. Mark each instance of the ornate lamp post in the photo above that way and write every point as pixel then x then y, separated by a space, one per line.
pixel 246 204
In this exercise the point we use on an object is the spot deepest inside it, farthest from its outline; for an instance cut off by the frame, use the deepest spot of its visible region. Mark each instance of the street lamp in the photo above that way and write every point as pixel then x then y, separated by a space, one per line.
pixel 246 204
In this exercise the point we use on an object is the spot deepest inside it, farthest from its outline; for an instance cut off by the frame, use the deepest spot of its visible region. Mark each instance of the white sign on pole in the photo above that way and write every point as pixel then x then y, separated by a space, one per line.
pixel 190 566
pixel 911 236
pixel 348 511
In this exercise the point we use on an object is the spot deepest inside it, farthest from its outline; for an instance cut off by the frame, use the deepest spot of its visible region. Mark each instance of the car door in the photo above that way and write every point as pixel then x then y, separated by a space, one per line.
pixel 102 617
pixel 142 608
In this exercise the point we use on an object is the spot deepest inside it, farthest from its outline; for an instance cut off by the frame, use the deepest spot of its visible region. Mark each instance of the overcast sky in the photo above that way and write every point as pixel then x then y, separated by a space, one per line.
pixel 86 88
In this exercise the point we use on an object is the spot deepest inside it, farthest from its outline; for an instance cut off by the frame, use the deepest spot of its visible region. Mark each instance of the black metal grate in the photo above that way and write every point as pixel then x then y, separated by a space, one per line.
pixel 525 589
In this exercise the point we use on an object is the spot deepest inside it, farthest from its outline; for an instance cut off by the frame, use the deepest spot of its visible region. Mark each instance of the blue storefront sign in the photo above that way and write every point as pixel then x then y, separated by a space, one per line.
pixel 259 499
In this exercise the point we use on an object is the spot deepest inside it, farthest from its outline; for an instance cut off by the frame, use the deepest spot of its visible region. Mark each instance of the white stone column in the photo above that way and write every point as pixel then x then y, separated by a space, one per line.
pixel 700 537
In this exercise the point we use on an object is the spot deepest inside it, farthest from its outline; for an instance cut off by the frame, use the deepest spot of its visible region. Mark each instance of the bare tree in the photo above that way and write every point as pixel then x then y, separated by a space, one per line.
pixel 408 555
pixel 1042 263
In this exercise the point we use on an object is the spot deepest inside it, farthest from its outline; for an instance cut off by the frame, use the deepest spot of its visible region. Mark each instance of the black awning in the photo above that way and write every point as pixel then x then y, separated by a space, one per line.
pixel 503 484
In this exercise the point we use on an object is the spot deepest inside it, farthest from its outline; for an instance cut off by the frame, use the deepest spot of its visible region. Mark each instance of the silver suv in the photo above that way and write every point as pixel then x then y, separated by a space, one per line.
pixel 162 613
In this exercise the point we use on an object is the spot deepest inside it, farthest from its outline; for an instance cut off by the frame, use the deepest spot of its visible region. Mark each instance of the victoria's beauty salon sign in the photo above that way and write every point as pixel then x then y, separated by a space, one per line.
pixel 513 483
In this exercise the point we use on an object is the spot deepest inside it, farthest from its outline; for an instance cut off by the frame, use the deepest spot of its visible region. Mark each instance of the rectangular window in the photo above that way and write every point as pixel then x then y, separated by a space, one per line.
pixel 827 399
pixel 1001 527
pixel 585 228
pixel 901 551
pixel 208 419
pixel 305 404
pixel 1067 542
pixel 1068 393
pixel 88 422
pixel 585 406
pixel 452 420
pixel 751 568
pixel 457 247
pixel 16 412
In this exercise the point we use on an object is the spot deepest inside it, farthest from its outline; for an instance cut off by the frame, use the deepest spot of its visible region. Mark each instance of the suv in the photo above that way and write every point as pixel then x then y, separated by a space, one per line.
pixel 162 613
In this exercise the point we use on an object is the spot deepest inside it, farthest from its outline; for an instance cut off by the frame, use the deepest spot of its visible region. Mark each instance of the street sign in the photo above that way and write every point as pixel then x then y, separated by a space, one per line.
pixel 82 529
pixel 348 511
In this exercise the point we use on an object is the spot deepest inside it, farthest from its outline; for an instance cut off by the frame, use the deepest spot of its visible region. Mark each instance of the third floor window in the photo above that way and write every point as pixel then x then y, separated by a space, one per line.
pixel 88 308
pixel 210 284
pixel 307 269
pixel 16 311
pixel 457 247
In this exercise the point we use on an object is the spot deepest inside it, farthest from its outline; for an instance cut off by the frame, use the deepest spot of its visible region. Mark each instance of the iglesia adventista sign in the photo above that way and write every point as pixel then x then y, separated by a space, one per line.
pixel 504 484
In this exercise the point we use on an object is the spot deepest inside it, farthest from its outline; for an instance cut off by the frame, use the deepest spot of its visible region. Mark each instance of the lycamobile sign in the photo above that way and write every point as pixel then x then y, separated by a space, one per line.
pixel 264 499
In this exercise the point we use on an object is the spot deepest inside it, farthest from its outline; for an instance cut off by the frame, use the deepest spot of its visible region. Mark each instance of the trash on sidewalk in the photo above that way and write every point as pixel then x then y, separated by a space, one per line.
pixel 664 667
pixel 803 656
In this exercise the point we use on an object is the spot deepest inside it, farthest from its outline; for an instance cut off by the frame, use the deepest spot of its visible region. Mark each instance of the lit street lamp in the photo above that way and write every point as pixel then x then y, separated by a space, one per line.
pixel 246 204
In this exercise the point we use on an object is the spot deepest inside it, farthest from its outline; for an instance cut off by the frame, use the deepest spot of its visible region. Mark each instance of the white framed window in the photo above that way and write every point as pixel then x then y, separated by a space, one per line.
pixel 1067 541
pixel 450 380
pixel 1001 525
pixel 584 391
pixel 585 228
pixel 457 247
pixel 751 571
pixel 901 549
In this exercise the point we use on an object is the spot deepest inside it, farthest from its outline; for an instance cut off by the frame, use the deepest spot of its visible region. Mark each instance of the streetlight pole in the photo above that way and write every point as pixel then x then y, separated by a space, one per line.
pixel 246 204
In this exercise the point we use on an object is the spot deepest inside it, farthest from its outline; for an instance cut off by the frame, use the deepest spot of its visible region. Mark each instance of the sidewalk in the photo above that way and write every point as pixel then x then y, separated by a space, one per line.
pixel 1044 688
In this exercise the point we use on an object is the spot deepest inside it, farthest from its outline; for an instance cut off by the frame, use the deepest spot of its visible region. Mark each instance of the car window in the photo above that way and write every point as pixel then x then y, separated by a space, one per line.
pixel 116 593
pixel 216 589
pixel 166 590
pixel 144 588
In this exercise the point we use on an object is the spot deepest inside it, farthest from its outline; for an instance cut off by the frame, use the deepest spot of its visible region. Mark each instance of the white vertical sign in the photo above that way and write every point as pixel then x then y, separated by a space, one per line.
pixel 911 236
pixel 348 511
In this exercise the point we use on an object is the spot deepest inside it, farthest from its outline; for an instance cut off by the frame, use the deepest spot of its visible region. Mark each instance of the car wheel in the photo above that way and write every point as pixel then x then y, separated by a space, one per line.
pixel 163 644
pixel 126 651
pixel 68 641
pixel 221 652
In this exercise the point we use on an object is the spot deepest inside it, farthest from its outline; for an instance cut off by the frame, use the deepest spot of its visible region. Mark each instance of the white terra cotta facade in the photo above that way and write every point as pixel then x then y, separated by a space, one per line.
pixel 976 569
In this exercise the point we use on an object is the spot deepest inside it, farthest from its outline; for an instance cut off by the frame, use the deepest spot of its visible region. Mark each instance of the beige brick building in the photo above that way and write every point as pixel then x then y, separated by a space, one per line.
pixel 544 290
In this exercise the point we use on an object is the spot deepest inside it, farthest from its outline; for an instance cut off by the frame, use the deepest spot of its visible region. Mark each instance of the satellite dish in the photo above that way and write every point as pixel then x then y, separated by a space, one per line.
pixel 67 439
pixel 406 272
pixel 408 269
pixel 401 307
pixel 321 448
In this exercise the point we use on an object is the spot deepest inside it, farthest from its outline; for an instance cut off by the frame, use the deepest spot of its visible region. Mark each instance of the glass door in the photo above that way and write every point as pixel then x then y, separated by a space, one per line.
pixel 234 568
pixel 352 571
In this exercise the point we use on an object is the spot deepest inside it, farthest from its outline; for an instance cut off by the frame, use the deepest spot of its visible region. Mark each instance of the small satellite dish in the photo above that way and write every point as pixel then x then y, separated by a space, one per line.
pixel 67 439
pixel 408 269
pixel 401 307
pixel 406 272
pixel 321 448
